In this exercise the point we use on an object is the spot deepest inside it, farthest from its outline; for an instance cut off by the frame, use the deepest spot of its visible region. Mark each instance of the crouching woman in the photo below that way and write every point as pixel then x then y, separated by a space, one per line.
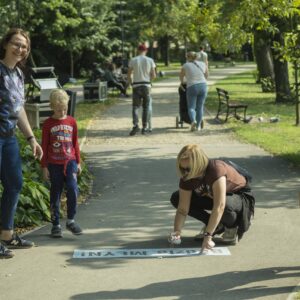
pixel 213 192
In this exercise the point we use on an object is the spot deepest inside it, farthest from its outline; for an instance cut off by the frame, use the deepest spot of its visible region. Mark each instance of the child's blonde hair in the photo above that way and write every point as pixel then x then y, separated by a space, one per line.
pixel 58 96
pixel 197 158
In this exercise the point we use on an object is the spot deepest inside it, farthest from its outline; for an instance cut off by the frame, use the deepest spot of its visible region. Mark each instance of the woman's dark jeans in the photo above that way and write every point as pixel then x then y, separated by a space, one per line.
pixel 11 179
pixel 200 205
pixel 58 179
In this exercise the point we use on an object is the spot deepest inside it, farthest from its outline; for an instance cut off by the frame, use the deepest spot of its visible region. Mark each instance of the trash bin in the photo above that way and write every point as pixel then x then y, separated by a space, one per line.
pixel 95 91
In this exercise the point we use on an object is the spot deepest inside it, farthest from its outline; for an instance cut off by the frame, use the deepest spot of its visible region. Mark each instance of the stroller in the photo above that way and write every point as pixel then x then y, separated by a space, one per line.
pixel 183 110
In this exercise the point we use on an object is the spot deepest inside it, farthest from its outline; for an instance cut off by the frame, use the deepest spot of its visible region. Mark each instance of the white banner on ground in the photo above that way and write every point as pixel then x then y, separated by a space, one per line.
pixel 147 253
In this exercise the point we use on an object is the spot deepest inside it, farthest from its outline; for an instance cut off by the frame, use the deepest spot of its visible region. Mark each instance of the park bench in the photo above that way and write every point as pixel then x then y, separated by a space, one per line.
pixel 229 107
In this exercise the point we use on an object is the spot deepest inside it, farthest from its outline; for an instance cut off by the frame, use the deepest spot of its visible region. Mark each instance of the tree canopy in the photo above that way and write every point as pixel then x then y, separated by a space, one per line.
pixel 72 34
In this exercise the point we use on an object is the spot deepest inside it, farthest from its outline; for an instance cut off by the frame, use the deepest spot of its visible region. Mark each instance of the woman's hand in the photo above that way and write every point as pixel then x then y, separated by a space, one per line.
pixel 36 148
pixel 174 238
pixel 79 169
pixel 181 87
pixel 45 172
pixel 207 243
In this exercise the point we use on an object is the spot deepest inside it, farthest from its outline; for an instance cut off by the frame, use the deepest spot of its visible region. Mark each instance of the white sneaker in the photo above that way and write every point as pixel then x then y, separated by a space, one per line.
pixel 200 235
pixel 193 126
pixel 230 236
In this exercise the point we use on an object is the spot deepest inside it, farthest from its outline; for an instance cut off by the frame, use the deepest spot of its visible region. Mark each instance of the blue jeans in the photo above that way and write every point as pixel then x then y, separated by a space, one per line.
pixel 196 95
pixel 11 178
pixel 150 114
pixel 58 179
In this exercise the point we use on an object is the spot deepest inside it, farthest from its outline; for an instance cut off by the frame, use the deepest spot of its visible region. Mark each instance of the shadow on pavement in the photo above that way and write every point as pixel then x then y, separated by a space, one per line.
pixel 225 286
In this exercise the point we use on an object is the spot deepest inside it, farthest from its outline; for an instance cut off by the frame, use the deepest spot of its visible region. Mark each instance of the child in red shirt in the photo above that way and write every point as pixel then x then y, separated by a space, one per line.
pixel 61 161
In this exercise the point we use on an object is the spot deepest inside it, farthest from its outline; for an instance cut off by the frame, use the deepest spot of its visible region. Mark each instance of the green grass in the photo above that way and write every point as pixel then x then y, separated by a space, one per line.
pixel 172 66
pixel 282 138
pixel 86 111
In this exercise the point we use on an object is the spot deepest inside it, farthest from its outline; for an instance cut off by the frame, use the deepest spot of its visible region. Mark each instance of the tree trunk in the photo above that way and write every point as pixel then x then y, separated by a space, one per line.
pixel 282 85
pixel 263 56
pixel 164 49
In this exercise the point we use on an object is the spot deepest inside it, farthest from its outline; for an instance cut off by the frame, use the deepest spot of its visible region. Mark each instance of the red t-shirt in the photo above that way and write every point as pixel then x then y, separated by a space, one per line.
pixel 60 141
pixel 215 169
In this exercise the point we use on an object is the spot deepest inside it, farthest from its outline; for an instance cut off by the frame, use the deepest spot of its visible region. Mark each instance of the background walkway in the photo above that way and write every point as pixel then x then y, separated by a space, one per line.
pixel 129 207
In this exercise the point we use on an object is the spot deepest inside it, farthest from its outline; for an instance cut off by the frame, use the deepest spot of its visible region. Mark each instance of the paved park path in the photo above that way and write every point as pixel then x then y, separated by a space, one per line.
pixel 129 208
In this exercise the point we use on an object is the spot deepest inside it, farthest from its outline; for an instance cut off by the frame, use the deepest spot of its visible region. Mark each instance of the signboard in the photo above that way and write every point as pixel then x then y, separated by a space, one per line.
pixel 147 253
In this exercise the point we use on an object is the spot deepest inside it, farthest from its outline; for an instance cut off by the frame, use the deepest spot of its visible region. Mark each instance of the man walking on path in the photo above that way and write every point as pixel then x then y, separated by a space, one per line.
pixel 202 56
pixel 142 69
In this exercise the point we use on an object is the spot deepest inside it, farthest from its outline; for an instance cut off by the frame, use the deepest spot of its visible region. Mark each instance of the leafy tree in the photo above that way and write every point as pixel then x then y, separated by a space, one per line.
pixel 267 18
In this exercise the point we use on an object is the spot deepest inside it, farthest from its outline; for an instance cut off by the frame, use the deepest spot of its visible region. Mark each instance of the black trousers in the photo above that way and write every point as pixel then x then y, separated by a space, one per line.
pixel 200 205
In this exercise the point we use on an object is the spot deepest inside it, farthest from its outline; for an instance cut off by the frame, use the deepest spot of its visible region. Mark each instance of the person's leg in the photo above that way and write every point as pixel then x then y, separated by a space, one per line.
pixel 145 94
pixel 12 180
pixel 150 115
pixel 125 85
pixel 136 102
pixel 72 189
pixel 198 206
pixel 232 211
pixel 119 86
pixel 233 208
pixel 72 195
pixel 201 97
pixel 56 173
pixel 191 95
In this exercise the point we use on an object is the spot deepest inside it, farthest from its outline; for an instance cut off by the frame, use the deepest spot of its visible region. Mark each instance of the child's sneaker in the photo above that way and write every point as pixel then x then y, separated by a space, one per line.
pixel 17 243
pixel 5 253
pixel 230 236
pixel 56 231
pixel 74 228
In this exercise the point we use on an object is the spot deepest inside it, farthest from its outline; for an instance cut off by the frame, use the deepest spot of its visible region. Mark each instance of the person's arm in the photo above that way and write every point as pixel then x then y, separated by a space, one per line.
pixel 153 71
pixel 182 210
pixel 206 72
pixel 219 201
pixel 76 146
pixel 25 128
pixel 129 73
pixel 181 76
pixel 45 145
